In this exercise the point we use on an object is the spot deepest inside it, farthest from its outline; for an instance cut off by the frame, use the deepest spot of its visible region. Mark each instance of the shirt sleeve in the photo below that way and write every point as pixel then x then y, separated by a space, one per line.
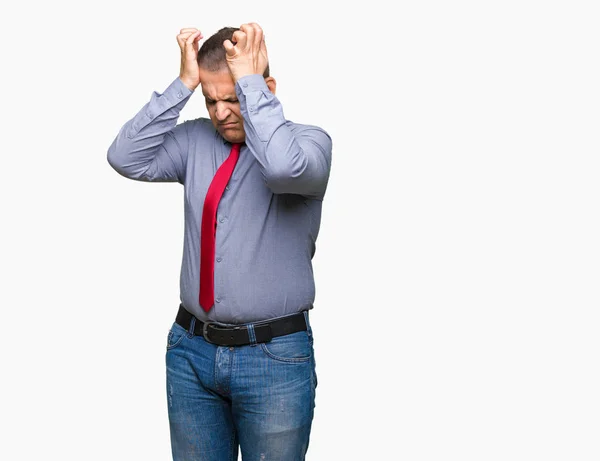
pixel 150 146
pixel 292 161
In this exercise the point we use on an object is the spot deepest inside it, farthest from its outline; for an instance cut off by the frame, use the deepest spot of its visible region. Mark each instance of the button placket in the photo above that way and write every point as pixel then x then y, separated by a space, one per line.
pixel 210 280
pixel 218 259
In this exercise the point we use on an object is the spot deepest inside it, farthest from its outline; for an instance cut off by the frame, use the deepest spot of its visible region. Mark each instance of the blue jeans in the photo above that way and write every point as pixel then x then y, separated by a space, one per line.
pixel 257 397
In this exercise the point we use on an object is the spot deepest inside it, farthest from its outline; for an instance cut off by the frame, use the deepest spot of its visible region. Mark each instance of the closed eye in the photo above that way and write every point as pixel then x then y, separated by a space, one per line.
pixel 212 101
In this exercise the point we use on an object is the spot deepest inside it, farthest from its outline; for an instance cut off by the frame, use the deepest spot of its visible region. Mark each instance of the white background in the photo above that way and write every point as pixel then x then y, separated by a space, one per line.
pixel 457 268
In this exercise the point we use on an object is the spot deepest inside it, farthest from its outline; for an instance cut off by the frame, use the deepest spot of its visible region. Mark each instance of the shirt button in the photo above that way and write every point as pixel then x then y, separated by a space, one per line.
pixel 221 219
pixel 231 348
pixel 219 260
pixel 226 187
pixel 245 84
pixel 218 300
pixel 179 95
pixel 252 109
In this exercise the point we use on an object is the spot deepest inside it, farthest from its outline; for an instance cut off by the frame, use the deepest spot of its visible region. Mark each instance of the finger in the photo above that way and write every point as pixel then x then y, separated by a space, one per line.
pixel 182 38
pixel 193 36
pixel 229 48
pixel 239 38
pixel 258 35
pixel 255 27
pixel 188 29
pixel 189 43
pixel 249 31
pixel 263 46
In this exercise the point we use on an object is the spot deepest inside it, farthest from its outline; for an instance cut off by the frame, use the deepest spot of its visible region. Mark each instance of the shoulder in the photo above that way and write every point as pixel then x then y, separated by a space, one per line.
pixel 200 123
pixel 312 132
pixel 201 127
pixel 306 130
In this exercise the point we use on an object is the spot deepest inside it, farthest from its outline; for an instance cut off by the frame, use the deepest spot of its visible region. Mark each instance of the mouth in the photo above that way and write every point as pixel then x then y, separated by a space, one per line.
pixel 227 125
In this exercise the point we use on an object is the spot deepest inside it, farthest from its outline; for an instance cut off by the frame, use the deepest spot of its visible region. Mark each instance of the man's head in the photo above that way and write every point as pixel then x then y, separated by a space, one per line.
pixel 218 86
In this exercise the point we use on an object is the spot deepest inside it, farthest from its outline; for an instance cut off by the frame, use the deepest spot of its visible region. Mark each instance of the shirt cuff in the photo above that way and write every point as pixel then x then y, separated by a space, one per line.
pixel 178 90
pixel 249 83
pixel 174 96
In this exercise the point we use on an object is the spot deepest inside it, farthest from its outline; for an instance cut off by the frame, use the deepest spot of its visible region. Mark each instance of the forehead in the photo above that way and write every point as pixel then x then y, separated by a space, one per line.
pixel 217 85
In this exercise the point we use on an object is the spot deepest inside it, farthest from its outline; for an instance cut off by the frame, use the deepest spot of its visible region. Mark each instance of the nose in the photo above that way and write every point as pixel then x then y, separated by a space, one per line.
pixel 221 111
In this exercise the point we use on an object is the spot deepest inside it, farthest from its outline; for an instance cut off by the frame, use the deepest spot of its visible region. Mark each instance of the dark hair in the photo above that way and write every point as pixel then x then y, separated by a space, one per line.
pixel 211 55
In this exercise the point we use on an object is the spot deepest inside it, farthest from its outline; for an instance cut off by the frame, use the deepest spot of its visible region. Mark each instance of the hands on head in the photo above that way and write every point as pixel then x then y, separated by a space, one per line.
pixel 189 73
pixel 248 52
pixel 245 54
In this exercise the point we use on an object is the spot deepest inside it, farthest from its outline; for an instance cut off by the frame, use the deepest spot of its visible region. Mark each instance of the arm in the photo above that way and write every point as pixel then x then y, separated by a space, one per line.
pixel 292 162
pixel 150 147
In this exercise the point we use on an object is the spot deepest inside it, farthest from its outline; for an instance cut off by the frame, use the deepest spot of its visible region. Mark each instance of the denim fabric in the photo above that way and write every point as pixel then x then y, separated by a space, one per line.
pixel 259 398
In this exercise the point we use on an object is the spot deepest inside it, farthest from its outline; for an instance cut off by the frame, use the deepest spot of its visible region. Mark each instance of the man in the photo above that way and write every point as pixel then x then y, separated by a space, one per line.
pixel 240 359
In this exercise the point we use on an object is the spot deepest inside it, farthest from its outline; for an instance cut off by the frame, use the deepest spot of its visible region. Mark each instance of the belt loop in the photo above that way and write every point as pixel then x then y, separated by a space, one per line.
pixel 251 335
pixel 308 328
pixel 192 326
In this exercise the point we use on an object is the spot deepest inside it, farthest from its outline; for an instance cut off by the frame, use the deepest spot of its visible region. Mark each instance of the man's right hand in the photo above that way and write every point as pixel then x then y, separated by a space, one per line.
pixel 189 72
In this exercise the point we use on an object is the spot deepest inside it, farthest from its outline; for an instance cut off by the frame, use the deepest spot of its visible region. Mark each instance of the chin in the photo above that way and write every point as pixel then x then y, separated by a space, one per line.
pixel 234 137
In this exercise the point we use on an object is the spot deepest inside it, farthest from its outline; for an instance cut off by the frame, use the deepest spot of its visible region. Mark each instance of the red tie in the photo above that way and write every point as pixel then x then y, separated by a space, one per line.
pixel 208 228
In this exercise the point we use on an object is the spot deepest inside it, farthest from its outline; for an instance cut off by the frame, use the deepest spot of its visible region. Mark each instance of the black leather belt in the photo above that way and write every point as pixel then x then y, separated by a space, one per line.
pixel 238 335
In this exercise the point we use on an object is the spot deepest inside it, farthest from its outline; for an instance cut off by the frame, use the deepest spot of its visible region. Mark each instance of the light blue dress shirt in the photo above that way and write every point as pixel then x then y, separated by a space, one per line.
pixel 269 216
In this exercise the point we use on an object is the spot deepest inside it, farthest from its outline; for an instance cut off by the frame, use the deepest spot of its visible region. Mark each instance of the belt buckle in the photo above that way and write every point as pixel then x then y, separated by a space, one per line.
pixel 205 332
pixel 265 329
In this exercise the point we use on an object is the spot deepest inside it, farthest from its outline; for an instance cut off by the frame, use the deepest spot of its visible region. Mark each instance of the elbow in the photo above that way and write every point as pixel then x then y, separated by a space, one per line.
pixel 277 180
pixel 111 157
pixel 119 161
pixel 281 178
pixel 297 181
pixel 304 169
pixel 114 159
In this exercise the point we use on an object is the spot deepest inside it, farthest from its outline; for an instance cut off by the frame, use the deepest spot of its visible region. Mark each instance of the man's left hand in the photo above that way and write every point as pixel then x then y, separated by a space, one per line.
pixel 248 53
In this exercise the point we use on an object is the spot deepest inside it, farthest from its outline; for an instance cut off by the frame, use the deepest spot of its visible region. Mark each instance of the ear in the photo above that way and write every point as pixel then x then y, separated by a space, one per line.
pixel 271 83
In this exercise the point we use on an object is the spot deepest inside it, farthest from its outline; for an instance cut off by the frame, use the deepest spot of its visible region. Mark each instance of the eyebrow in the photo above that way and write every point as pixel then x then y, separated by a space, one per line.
pixel 230 98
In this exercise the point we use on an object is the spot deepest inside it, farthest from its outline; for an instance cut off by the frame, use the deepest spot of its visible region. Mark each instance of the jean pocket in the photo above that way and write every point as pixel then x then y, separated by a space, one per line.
pixel 175 336
pixel 293 347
